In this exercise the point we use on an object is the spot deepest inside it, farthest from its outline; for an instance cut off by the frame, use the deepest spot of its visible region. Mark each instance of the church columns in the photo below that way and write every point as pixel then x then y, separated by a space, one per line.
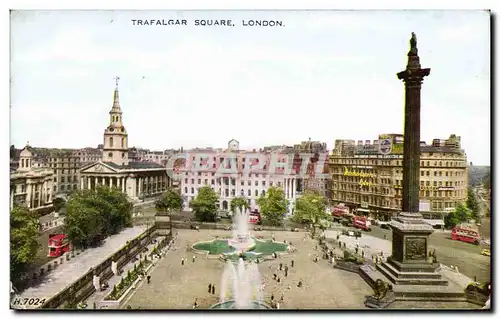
pixel 102 181
pixel 28 195
pixel 81 182
pixel 110 182
pixel 88 182
pixel 118 182
pixel 140 187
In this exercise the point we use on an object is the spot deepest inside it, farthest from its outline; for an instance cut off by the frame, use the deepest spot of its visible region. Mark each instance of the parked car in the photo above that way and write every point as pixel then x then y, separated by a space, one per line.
pixel 385 226
pixel 486 252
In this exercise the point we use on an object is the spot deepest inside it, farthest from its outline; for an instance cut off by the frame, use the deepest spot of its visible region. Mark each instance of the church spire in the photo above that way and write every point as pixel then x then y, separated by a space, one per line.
pixel 116 99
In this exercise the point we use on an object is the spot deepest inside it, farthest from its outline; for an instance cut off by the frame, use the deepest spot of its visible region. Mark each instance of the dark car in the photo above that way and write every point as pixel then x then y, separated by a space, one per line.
pixel 385 226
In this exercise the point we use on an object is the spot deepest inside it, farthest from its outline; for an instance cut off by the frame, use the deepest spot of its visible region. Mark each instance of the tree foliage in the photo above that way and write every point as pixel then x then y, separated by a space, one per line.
pixel 310 208
pixel 273 206
pixel 461 214
pixel 487 180
pixel 24 232
pixel 239 202
pixel 58 203
pixel 205 205
pixel 472 203
pixel 170 201
pixel 92 215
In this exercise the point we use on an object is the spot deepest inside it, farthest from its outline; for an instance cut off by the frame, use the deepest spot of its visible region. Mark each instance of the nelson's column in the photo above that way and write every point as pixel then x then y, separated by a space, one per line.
pixel 409 270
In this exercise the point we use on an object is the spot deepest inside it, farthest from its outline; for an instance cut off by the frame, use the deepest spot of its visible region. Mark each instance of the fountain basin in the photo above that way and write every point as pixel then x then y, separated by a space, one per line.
pixel 230 304
pixel 223 247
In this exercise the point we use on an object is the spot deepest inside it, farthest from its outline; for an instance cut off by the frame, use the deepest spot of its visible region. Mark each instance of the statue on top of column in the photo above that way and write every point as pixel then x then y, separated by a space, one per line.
pixel 413 43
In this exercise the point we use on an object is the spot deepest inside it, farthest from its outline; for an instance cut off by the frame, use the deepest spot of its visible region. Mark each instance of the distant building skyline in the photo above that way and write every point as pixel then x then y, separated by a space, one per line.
pixel 325 74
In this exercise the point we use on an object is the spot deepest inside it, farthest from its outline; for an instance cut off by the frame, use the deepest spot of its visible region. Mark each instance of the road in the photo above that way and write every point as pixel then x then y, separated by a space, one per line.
pixel 466 256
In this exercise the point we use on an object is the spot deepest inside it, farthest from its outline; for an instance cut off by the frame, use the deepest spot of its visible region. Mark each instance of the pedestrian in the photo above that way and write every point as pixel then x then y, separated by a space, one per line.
pixel 182 261
pixel 272 297
pixel 277 305
pixel 290 243
pixel 281 266
pixel 279 280
pixel 333 260
pixel 284 241
pixel 195 304
pixel 299 284
pixel 275 276
pixel 344 245
pixel 286 267
pixel 286 272
pixel 209 287
pixel 148 278
pixel 362 254
pixel 293 263
pixel 213 289
pixel 194 257
pixel 282 298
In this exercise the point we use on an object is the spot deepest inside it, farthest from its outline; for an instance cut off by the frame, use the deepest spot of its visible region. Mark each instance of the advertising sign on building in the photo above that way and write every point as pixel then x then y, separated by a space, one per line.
pixel 424 206
pixel 385 146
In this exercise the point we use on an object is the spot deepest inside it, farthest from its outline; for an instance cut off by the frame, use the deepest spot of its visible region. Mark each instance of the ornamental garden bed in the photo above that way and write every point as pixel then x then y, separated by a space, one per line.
pixel 126 282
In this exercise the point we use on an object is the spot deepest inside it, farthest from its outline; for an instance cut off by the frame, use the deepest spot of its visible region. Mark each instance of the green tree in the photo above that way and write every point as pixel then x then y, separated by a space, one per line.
pixel 24 232
pixel 58 203
pixel 310 208
pixel 461 214
pixel 273 206
pixel 170 201
pixel 205 205
pixel 92 215
pixel 472 203
pixel 240 202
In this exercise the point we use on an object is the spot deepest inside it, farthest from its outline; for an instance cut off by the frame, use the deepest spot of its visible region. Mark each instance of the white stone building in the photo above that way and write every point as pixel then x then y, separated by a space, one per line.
pixel 31 185
pixel 250 185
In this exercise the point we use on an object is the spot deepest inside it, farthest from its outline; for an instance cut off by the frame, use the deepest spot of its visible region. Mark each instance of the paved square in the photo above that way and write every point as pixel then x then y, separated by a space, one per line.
pixel 174 286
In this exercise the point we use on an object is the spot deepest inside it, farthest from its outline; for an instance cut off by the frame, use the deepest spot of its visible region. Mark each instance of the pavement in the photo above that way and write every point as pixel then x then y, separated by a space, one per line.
pixel 99 295
pixel 176 286
pixel 449 252
pixel 66 273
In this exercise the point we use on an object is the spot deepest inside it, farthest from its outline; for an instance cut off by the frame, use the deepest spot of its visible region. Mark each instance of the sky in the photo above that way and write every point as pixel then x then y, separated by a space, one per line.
pixel 323 75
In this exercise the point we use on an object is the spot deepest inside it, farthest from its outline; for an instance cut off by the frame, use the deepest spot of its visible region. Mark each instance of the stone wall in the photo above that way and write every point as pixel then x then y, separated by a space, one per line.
pixel 83 287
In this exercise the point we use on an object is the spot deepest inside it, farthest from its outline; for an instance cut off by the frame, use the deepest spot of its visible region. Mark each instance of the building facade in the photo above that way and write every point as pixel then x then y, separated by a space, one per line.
pixel 369 180
pixel 250 185
pixel 139 180
pixel 31 186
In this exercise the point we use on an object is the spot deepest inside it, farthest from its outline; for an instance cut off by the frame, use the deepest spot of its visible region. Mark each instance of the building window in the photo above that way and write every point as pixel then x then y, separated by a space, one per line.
pixel 123 142
pixel 192 190
pixel 186 181
pixel 242 193
pixel 192 181
pixel 213 182
pixel 110 142
pixel 256 193
pixel 256 183
pixel 185 190
pixel 263 183
pixel 427 173
pixel 421 173
pixel 249 193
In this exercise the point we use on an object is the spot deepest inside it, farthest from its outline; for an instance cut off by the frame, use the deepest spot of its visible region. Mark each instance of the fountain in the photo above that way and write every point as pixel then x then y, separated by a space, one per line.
pixel 240 287
pixel 241 240
pixel 241 244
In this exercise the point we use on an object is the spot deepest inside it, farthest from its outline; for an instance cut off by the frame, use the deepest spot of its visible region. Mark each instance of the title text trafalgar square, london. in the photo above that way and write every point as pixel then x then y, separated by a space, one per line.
pixel 208 22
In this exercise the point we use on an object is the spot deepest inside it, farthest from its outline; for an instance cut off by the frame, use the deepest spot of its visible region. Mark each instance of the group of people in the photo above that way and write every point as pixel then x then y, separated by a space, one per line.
pixel 183 260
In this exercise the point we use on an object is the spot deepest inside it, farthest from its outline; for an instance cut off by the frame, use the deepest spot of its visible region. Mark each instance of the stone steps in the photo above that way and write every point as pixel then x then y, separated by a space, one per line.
pixel 413 274
pixel 419 279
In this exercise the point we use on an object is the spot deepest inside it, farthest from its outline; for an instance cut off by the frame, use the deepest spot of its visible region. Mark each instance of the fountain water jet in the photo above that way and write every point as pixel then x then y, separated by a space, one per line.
pixel 241 238
pixel 241 285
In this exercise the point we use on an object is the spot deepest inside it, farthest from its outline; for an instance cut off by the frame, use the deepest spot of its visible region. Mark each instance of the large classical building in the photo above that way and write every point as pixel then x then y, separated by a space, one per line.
pixel 139 180
pixel 31 185
pixel 250 185
pixel 367 177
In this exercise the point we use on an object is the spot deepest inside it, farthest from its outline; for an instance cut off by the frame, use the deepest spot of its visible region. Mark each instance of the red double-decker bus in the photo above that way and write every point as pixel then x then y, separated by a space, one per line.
pixel 466 234
pixel 361 222
pixel 58 245
pixel 254 217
